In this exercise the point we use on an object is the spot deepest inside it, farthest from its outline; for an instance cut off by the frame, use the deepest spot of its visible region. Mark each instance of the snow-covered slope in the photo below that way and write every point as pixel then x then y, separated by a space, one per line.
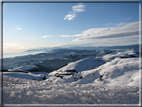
pixel 25 72
pixel 116 71
pixel 119 71
pixel 83 64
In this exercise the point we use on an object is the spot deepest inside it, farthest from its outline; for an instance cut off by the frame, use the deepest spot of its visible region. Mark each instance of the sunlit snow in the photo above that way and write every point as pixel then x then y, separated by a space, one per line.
pixel 110 79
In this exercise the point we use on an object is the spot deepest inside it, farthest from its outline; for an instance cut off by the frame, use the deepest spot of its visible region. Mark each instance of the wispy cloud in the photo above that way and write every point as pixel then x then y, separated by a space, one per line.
pixel 46 36
pixel 106 42
pixel 65 35
pixel 115 24
pixel 127 18
pixel 111 42
pixel 109 24
pixel 120 24
pixel 18 28
pixel 100 7
pixel 75 9
pixel 127 30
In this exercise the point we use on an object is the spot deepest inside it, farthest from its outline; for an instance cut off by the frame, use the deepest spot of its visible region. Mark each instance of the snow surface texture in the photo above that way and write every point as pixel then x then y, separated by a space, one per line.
pixel 22 91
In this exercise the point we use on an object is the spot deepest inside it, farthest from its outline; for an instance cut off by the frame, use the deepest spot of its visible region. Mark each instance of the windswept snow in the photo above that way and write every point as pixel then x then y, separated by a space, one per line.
pixel 121 72
pixel 22 91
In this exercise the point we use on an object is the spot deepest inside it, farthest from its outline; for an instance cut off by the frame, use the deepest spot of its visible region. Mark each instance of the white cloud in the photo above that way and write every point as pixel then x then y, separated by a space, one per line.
pixel 46 36
pixel 109 35
pixel 70 16
pixel 65 35
pixel 18 28
pixel 106 42
pixel 112 42
pixel 130 29
pixel 75 9
pixel 79 8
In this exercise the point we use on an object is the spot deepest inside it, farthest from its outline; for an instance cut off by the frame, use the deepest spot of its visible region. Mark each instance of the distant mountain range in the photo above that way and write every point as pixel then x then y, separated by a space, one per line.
pixel 88 48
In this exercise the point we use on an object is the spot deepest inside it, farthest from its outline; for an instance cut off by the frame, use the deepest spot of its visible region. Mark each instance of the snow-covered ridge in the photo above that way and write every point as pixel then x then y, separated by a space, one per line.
pixel 125 54
pixel 84 64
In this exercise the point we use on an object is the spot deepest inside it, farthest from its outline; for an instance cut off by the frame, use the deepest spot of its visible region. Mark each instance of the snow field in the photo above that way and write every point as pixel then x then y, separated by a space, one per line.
pixel 119 83
pixel 23 91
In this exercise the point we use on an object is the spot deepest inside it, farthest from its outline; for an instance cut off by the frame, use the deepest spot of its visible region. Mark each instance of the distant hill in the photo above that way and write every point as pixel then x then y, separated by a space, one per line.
pixel 136 46
pixel 107 47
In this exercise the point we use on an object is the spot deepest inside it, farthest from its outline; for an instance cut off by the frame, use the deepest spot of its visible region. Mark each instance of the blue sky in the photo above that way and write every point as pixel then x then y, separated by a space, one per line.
pixel 39 25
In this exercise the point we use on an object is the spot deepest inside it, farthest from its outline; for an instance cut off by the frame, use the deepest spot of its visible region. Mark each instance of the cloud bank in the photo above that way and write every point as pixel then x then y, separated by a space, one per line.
pixel 107 42
pixel 75 9
pixel 130 29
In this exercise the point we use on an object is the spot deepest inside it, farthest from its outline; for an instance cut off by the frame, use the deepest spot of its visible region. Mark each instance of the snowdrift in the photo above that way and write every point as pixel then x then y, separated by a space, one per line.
pixel 23 91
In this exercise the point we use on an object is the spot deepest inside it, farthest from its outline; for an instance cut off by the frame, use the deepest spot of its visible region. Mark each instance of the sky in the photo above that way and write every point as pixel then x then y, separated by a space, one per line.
pixel 42 25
